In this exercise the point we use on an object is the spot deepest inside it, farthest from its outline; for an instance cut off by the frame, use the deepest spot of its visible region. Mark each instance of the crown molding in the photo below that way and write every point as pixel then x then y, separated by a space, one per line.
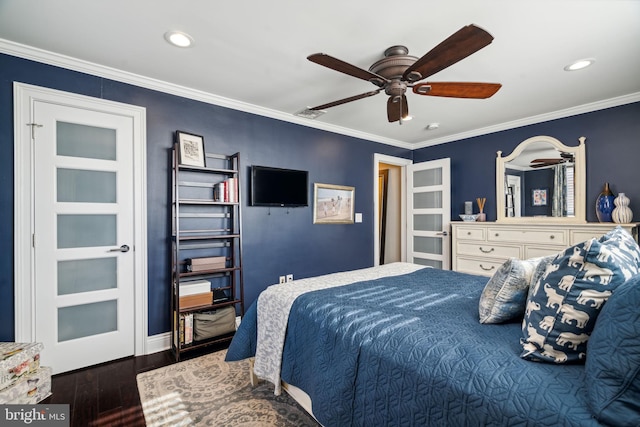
pixel 50 58
pixel 39 55
pixel 559 114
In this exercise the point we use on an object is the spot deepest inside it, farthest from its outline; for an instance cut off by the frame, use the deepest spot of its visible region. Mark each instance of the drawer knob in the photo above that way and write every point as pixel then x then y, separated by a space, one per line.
pixel 485 251
pixel 552 237
pixel 487 269
pixel 468 233
pixel 497 234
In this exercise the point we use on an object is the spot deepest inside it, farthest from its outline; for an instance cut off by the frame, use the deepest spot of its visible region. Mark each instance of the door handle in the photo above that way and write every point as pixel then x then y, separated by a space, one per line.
pixel 442 233
pixel 123 248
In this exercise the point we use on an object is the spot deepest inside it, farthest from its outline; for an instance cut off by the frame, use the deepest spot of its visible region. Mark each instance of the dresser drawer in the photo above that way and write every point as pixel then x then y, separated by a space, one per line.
pixel 539 251
pixel 488 250
pixel 485 267
pixel 546 236
pixel 470 233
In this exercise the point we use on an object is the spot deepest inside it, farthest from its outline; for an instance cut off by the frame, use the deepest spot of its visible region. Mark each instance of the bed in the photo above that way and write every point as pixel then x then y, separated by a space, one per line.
pixel 402 345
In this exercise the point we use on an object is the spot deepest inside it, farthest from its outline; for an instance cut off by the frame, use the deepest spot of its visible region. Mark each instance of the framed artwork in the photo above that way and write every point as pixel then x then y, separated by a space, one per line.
pixel 333 204
pixel 539 197
pixel 191 149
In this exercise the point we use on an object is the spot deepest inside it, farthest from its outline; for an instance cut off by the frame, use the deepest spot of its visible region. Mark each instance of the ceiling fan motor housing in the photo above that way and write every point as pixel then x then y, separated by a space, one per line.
pixel 394 64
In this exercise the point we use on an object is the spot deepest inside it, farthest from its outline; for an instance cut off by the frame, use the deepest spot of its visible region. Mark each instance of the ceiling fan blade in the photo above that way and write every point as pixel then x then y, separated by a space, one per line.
pixel 397 108
pixel 345 100
pixel 343 67
pixel 457 90
pixel 458 46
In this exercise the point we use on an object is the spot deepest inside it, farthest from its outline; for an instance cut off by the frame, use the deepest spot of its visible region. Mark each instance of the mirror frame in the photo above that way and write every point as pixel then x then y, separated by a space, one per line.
pixel 579 178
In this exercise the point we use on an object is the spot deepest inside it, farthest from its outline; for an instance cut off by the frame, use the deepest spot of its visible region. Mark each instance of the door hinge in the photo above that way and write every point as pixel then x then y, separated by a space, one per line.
pixel 33 126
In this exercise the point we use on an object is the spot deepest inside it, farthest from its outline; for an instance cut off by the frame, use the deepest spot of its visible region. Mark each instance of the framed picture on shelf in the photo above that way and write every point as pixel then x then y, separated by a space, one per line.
pixel 191 149
pixel 539 197
pixel 333 204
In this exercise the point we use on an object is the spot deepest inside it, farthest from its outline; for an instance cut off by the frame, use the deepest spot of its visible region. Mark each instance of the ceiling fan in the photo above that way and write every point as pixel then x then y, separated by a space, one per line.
pixel 564 158
pixel 398 71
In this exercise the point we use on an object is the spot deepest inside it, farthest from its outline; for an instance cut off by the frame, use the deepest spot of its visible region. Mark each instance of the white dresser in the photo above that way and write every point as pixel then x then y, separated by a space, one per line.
pixel 482 247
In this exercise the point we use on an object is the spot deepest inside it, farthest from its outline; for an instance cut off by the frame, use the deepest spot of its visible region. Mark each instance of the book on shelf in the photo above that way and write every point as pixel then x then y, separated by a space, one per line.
pixel 226 191
pixel 184 332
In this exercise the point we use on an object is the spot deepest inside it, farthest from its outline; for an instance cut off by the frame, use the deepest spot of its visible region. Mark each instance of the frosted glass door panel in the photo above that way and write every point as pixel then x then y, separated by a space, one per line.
pixel 85 186
pixel 81 231
pixel 86 275
pixel 428 262
pixel 85 141
pixel 430 245
pixel 86 320
pixel 427 177
pixel 427 200
pixel 427 222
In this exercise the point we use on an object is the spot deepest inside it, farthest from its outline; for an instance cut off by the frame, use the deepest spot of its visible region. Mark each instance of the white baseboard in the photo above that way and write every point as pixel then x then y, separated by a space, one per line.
pixel 157 343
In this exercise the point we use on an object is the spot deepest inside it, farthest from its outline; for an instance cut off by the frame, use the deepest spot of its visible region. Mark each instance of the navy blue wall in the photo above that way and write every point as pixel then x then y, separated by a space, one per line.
pixel 612 148
pixel 276 241
pixel 280 241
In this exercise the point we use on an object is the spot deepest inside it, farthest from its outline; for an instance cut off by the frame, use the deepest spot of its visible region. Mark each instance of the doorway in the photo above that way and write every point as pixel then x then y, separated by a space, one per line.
pixel 80 240
pixel 422 203
pixel 389 208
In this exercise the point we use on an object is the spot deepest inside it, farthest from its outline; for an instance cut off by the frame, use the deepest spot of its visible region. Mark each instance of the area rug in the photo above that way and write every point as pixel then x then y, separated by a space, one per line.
pixel 207 391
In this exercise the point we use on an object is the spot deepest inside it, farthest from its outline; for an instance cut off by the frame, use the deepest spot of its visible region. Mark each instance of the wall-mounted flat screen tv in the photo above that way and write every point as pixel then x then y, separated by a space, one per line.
pixel 279 187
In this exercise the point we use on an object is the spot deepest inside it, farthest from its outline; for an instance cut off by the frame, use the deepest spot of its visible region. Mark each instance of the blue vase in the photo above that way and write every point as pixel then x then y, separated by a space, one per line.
pixel 604 204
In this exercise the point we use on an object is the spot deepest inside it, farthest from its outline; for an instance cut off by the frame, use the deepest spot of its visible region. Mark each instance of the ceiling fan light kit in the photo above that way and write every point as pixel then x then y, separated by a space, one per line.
pixel 398 71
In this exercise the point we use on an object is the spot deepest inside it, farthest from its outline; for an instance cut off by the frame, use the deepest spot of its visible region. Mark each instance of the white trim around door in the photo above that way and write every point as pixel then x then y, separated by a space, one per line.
pixel 24 204
pixel 402 163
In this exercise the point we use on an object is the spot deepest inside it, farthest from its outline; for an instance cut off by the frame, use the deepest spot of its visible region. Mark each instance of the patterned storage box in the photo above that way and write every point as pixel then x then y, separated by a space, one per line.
pixel 17 360
pixel 29 389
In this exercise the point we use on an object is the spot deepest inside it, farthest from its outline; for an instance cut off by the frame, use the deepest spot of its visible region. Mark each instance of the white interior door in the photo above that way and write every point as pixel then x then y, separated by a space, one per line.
pixel 83 239
pixel 429 213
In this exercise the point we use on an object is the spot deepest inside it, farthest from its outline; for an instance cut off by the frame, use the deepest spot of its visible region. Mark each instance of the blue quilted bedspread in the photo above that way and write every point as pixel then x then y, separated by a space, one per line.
pixel 409 351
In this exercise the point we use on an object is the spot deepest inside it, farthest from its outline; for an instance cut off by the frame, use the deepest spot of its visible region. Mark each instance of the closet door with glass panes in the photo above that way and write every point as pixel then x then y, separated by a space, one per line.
pixel 84 266
pixel 429 213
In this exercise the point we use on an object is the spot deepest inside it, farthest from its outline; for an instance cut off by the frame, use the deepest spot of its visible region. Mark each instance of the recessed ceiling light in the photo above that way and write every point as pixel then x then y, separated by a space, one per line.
pixel 178 38
pixel 433 126
pixel 580 64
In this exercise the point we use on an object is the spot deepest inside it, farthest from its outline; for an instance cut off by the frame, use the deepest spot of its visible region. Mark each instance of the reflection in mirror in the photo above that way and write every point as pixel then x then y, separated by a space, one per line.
pixel 541 181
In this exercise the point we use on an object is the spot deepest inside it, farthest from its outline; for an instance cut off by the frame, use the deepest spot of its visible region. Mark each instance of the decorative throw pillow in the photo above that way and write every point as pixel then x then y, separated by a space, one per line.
pixel 505 294
pixel 613 358
pixel 564 304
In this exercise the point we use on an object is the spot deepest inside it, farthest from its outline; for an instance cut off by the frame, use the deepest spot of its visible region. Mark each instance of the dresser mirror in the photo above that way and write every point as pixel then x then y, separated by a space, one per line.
pixel 542 181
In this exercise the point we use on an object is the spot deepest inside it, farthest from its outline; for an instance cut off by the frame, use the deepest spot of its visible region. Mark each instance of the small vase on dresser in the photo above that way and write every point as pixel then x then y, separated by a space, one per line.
pixel 604 204
pixel 622 214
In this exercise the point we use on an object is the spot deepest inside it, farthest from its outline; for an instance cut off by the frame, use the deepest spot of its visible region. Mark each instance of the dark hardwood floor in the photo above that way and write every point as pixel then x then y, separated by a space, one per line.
pixel 107 394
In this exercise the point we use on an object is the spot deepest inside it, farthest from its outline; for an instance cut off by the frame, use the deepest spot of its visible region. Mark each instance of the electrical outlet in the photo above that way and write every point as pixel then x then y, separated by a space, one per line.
pixel 289 277
pixel 282 279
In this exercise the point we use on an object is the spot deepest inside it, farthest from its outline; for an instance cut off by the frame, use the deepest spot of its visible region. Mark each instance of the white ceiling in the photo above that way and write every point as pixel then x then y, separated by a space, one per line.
pixel 251 55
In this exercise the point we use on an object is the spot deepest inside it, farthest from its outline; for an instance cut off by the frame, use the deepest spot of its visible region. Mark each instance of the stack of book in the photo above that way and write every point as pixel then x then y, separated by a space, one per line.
pixel 22 380
pixel 226 191
pixel 195 293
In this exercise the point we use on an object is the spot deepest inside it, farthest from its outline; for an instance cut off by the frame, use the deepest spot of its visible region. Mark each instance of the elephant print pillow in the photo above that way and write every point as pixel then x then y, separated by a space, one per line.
pixel 563 305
